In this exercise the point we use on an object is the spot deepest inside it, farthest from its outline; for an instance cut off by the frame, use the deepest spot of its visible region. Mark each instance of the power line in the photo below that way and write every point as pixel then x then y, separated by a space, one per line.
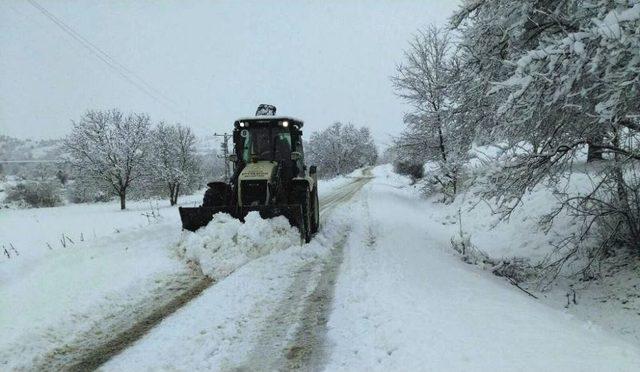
pixel 116 66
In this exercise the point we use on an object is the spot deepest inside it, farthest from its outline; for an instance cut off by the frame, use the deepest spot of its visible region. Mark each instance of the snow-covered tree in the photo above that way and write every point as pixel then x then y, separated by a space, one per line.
pixel 173 162
pixel 581 89
pixel 341 149
pixel 433 130
pixel 563 78
pixel 494 34
pixel 110 149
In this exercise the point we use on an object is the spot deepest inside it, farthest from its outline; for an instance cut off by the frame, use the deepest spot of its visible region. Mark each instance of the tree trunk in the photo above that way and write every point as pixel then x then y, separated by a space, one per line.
pixel 123 203
pixel 594 152
pixel 170 186
pixel 173 194
pixel 443 152
pixel 623 195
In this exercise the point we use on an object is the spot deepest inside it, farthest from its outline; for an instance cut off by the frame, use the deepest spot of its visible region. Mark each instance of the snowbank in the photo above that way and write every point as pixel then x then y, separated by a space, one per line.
pixel 93 287
pixel 226 243
pixel 611 302
pixel 223 327
pixel 227 326
pixel 404 301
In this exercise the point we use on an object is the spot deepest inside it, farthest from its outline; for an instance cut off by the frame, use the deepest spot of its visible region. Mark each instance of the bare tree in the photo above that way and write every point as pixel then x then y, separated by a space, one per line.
pixel 110 149
pixel 341 149
pixel 174 162
pixel 432 131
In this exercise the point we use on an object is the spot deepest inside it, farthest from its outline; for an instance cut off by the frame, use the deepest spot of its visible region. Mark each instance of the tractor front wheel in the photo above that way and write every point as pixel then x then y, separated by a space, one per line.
pixel 302 197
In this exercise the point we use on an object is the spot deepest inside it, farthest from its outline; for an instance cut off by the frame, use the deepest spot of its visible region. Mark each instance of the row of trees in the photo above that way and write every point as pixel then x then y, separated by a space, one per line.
pixel 341 149
pixel 115 153
pixel 553 83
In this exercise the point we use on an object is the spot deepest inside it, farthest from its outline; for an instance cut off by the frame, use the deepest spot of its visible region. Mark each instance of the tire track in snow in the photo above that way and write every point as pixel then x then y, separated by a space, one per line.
pixel 98 356
pixel 90 354
pixel 294 335
pixel 309 349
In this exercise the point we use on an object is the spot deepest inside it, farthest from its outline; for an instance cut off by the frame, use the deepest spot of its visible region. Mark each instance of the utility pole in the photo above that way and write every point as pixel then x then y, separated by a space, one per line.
pixel 224 148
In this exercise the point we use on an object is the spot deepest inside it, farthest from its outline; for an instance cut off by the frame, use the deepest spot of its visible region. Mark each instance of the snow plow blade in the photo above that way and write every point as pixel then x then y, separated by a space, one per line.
pixel 195 218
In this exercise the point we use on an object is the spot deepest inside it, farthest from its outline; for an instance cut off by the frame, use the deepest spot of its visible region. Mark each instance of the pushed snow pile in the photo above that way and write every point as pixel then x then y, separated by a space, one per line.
pixel 225 243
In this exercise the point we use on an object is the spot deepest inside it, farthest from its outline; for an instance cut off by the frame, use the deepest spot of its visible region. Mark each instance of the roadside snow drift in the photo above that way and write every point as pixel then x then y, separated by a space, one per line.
pixel 264 278
pixel 225 243
pixel 404 301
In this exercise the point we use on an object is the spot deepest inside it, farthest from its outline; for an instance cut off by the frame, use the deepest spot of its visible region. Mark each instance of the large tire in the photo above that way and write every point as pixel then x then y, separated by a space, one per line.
pixel 315 208
pixel 302 197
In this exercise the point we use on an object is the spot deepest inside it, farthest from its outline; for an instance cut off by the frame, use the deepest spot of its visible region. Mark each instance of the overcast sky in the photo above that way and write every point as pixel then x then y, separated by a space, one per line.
pixel 321 61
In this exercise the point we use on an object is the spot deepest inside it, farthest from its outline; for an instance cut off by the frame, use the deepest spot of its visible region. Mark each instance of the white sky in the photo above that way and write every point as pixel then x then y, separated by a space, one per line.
pixel 322 61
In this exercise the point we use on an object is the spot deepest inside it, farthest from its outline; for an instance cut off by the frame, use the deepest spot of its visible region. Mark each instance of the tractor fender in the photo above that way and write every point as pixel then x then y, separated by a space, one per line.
pixel 217 185
pixel 306 181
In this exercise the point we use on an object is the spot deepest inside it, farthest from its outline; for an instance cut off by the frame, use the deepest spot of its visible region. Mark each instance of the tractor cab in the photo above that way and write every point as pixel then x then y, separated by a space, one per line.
pixel 269 139
pixel 269 176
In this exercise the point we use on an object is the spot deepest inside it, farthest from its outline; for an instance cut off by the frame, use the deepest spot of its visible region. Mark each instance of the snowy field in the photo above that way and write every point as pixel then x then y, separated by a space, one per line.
pixel 379 288
pixel 112 264
pixel 113 268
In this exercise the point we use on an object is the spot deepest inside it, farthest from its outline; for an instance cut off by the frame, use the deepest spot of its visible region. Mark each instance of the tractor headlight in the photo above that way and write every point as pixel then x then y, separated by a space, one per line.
pixel 285 124
pixel 242 124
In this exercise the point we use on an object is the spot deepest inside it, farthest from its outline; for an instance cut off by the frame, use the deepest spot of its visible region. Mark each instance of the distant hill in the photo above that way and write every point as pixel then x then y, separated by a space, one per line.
pixel 26 149
pixel 12 148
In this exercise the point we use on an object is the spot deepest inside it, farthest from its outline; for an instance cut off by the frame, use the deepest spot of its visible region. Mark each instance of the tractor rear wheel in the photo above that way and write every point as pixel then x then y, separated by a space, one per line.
pixel 302 197
pixel 315 208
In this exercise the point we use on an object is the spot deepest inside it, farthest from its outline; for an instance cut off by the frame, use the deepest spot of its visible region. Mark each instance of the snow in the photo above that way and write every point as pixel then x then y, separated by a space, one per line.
pixel 226 244
pixel 114 263
pixel 404 302
pixel 610 27
pixel 220 329
pixel 29 230
pixel 403 299
pixel 117 266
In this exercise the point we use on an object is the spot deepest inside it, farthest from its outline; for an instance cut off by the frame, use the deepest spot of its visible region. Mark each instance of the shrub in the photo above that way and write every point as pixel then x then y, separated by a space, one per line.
pixel 411 169
pixel 35 194
pixel 79 191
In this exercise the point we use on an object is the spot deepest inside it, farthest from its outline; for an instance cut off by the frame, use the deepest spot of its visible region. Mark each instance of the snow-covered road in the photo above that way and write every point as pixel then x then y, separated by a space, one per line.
pixel 404 301
pixel 294 336
pixel 268 315
pixel 377 289
pixel 75 307
pixel 398 299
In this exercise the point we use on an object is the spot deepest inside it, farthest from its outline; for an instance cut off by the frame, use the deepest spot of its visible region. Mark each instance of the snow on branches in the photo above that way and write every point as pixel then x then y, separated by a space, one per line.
pixel 174 164
pixel 110 148
pixel 341 149
pixel 115 153
pixel 433 130
pixel 555 81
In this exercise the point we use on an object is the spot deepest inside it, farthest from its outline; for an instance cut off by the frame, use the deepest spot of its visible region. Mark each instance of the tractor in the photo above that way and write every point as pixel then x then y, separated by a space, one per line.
pixel 269 176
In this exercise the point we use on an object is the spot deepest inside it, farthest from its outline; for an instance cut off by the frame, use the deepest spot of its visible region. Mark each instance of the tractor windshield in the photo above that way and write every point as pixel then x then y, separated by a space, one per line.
pixel 266 143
